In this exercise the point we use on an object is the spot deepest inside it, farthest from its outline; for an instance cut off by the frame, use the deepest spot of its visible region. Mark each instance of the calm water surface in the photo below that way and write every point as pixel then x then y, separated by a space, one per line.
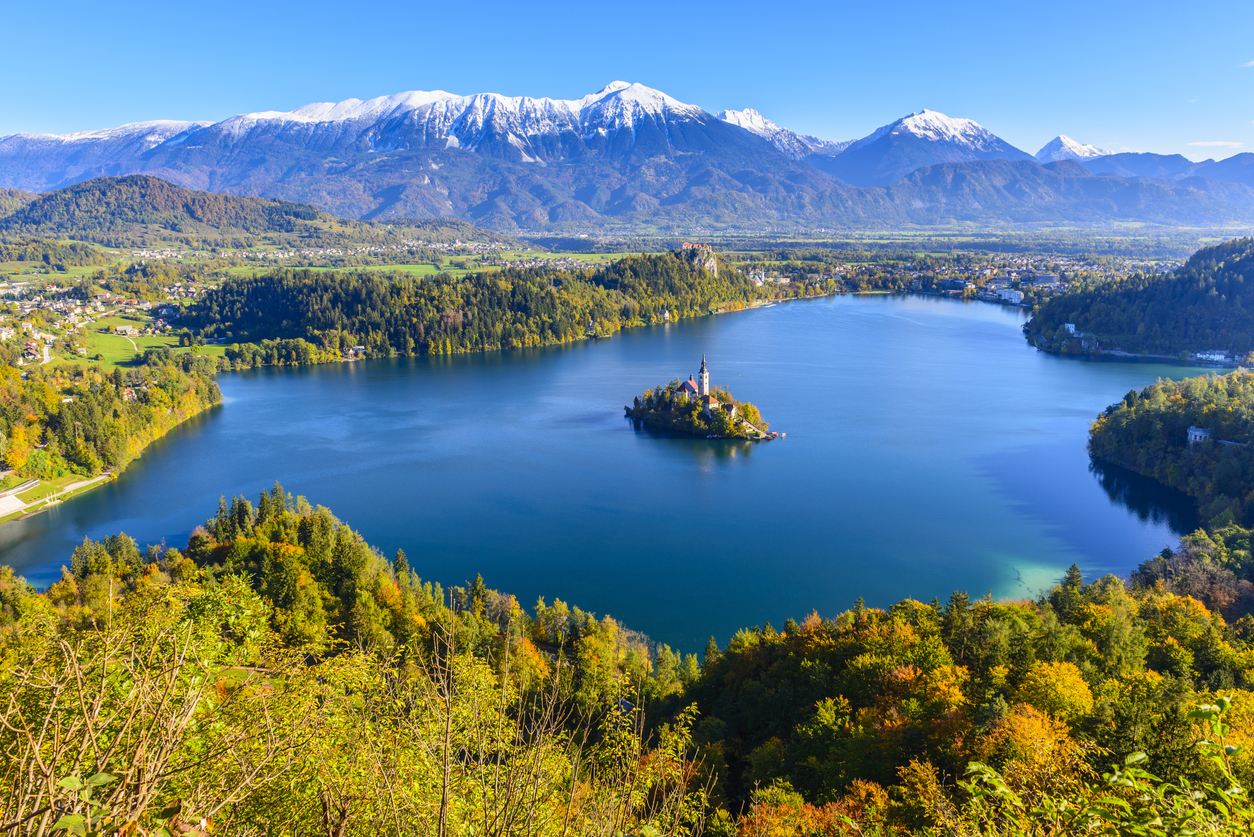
pixel 929 449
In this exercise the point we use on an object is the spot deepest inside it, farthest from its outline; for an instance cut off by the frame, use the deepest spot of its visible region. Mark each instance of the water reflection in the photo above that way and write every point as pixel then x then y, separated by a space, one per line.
pixel 1147 498
pixel 703 451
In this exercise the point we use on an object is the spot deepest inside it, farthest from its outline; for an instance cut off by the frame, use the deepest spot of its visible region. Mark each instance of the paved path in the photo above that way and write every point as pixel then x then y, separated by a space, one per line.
pixel 10 504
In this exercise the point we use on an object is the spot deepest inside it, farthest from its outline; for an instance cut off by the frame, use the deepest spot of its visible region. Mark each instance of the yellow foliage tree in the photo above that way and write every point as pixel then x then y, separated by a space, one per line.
pixel 1056 688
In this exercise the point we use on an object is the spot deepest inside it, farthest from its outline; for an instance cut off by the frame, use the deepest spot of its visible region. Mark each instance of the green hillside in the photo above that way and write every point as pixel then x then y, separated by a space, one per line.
pixel 1207 304
pixel 139 210
pixel 12 200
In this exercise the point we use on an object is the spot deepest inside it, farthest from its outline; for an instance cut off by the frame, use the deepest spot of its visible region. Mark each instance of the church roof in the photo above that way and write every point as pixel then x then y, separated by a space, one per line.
pixel 688 386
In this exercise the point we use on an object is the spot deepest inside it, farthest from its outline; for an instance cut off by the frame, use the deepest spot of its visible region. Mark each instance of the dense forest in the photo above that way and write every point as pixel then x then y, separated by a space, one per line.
pixel 1148 432
pixel 400 315
pixel 278 675
pixel 12 199
pixel 61 419
pixel 54 254
pixel 1207 304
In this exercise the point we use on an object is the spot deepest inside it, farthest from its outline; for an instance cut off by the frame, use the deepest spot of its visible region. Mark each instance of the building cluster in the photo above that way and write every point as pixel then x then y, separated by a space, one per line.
pixel 559 263
pixel 456 246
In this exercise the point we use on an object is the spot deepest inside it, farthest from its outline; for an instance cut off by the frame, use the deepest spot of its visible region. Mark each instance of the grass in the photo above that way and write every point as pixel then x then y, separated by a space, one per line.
pixel 48 487
pixel 115 350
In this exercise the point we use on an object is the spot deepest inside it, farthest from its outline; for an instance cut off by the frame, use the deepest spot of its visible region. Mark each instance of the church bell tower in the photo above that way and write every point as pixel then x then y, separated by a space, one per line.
pixel 703 379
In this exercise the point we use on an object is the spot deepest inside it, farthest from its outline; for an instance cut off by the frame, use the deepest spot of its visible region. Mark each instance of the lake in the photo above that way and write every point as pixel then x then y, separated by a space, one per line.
pixel 928 449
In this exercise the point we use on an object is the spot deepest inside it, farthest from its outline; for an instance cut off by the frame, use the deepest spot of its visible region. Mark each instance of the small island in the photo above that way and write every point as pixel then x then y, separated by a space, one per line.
pixel 694 408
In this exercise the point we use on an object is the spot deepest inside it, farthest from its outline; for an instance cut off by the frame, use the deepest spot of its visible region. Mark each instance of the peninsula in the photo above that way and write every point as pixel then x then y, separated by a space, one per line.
pixel 694 408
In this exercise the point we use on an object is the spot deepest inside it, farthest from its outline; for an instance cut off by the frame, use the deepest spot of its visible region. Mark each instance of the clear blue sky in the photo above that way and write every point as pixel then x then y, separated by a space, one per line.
pixel 1144 76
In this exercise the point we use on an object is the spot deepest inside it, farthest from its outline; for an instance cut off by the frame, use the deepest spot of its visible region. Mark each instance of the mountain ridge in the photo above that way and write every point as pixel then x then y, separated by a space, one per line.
pixel 627 156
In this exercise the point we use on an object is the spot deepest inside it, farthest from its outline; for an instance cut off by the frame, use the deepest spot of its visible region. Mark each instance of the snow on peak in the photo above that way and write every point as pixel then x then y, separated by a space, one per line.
pixel 616 105
pixel 797 146
pixel 150 133
pixel 750 120
pixel 936 126
pixel 1065 148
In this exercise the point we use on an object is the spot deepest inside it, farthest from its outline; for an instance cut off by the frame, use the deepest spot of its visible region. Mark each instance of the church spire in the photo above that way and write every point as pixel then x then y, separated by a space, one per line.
pixel 703 378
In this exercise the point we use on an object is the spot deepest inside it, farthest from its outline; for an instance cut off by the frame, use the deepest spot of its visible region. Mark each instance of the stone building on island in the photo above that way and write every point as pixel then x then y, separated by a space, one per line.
pixel 700 390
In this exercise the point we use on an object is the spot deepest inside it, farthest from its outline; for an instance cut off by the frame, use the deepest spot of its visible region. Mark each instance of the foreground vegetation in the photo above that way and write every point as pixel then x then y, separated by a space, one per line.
pixel 278 675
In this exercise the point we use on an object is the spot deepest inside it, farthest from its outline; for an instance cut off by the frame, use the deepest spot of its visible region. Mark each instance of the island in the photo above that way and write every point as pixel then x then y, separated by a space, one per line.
pixel 694 408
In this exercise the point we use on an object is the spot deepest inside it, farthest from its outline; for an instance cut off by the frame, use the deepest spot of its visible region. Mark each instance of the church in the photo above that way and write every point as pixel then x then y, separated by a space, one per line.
pixel 700 389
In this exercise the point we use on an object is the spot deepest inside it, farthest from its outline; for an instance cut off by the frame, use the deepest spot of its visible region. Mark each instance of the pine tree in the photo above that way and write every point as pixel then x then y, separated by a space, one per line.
pixel 711 654
pixel 478 595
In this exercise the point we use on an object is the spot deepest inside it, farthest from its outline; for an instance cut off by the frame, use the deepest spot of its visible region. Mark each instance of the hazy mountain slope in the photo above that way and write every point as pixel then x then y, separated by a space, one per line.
pixel 1065 193
pixel 1239 168
pixel 625 157
pixel 1131 164
pixel 44 161
pixel 922 139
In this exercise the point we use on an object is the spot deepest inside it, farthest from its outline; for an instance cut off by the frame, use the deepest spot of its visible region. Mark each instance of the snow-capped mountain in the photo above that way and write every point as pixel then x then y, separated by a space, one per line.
pixel 1065 148
pixel 535 129
pixel 921 139
pixel 625 155
pixel 796 146
pixel 620 119
pixel 54 159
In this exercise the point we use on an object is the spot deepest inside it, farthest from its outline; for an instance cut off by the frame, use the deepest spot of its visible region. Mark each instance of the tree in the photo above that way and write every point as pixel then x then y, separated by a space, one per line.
pixel 1056 688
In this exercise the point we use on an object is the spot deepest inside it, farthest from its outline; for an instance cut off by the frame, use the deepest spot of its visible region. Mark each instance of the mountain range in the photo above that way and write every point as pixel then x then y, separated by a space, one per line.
pixel 632 157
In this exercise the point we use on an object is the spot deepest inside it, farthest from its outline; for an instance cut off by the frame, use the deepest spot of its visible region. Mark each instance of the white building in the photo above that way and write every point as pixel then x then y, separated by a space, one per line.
pixel 1198 434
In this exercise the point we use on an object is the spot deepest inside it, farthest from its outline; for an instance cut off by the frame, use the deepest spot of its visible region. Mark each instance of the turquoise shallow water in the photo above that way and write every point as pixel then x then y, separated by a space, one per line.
pixel 929 449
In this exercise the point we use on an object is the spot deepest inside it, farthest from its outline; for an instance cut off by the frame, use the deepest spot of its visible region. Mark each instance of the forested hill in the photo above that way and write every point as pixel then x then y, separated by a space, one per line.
pixel 506 309
pixel 1207 304
pixel 1147 432
pixel 13 199
pixel 143 210
pixel 108 206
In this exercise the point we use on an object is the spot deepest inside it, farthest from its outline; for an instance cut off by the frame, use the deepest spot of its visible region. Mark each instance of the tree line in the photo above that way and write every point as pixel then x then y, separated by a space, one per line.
pixel 400 315
pixel 280 675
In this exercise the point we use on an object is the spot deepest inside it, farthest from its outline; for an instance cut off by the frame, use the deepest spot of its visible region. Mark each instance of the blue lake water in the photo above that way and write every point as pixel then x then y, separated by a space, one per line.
pixel 929 449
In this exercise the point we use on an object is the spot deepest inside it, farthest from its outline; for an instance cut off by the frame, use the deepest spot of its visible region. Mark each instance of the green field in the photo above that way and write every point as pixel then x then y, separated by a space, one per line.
pixel 116 350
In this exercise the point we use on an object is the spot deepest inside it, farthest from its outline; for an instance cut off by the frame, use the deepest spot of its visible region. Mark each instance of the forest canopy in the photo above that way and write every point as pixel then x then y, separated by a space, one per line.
pixel 63 419
pixel 402 315
pixel 1206 305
